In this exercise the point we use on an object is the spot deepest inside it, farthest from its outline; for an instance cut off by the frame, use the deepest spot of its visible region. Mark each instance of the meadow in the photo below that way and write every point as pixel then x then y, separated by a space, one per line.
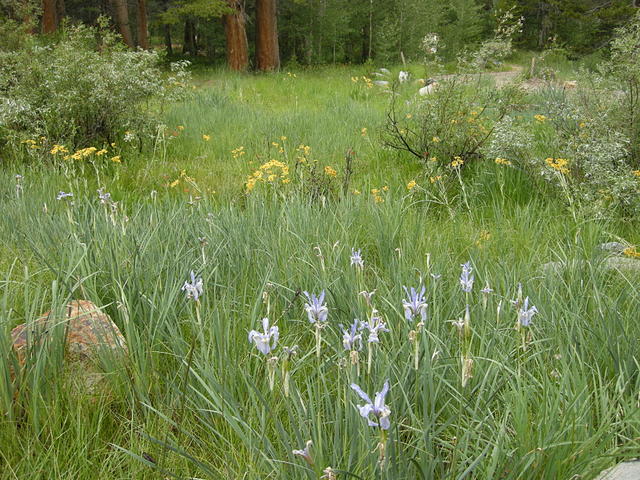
pixel 480 384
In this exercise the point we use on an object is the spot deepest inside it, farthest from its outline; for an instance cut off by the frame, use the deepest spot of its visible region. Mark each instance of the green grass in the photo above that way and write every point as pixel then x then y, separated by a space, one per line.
pixel 193 393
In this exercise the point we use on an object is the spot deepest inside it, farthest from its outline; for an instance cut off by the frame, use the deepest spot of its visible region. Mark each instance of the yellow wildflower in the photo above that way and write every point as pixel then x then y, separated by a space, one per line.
pixel 286 180
pixel 206 138
pixel 540 118
pixel 378 199
pixel 116 159
pixel 582 125
pixel 631 252
pixel 503 161
pixel 356 192
pixel 174 183
pixel 99 153
pixel 375 191
pixel 385 188
pixel 330 171
pixel 435 139
pixel 457 162
pixel 180 127
pixel 411 185
pixel 636 173
pixel 558 164
pixel 283 138
pixel 409 116
pixel 58 149
pixel 435 179
pixel 363 132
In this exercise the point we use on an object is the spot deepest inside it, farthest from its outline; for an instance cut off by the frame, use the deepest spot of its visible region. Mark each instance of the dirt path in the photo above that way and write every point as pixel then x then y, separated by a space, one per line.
pixel 501 78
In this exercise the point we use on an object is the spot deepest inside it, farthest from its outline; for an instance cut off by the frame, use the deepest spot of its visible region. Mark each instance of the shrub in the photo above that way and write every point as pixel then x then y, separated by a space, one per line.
pixel 83 89
pixel 449 127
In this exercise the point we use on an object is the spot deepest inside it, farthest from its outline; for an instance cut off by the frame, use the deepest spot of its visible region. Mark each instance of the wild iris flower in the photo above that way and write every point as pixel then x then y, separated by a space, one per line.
pixel 263 340
pixel 193 289
pixel 305 453
pixel 525 314
pixel 466 278
pixel 351 337
pixel 378 408
pixel 356 258
pixel 61 195
pixel 415 304
pixel 375 325
pixel 317 311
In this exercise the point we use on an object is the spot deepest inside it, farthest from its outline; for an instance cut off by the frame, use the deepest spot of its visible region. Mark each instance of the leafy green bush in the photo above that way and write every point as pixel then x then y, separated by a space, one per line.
pixel 85 88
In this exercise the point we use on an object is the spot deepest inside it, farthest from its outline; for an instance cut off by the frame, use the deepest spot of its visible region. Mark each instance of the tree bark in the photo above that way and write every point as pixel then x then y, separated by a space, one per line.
pixel 122 20
pixel 143 31
pixel 267 49
pixel 236 36
pixel 168 43
pixel 189 45
pixel 49 17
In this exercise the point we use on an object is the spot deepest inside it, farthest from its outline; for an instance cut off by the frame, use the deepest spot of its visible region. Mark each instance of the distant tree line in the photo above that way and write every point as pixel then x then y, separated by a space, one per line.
pixel 262 33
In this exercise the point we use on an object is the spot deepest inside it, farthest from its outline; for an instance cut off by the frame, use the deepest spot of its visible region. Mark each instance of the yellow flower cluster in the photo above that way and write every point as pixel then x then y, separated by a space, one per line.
pixel 206 138
pixel 31 143
pixel 411 185
pixel 631 252
pixel 435 179
pixel 435 139
pixel 363 132
pixel 540 118
pixel 330 171
pixel 503 161
pixel 377 193
pixel 367 81
pixel 457 162
pixel 270 172
pixel 58 149
pixel 636 173
pixel 291 75
pixel 82 153
pixel 483 236
pixel 238 152
pixel 558 164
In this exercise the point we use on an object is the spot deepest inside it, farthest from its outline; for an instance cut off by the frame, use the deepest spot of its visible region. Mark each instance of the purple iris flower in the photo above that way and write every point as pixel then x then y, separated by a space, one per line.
pixel 350 337
pixel 466 278
pixel 525 314
pixel 378 408
pixel 356 258
pixel 415 304
pixel 375 326
pixel 263 340
pixel 193 289
pixel 317 310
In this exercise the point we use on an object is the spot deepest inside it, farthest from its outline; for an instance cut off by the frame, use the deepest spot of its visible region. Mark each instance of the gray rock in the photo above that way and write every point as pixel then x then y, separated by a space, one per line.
pixel 623 471
pixel 615 248
pixel 620 264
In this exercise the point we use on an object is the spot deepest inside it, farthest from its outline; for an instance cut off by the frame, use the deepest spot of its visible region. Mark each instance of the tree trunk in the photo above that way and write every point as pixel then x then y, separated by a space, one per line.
pixel 168 43
pixel 143 32
pixel 49 17
pixel 122 20
pixel 189 44
pixel 236 36
pixel 267 50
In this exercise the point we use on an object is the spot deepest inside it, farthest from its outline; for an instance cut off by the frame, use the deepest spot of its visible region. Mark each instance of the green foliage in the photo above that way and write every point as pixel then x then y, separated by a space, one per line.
pixel 86 87
pixel 205 9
